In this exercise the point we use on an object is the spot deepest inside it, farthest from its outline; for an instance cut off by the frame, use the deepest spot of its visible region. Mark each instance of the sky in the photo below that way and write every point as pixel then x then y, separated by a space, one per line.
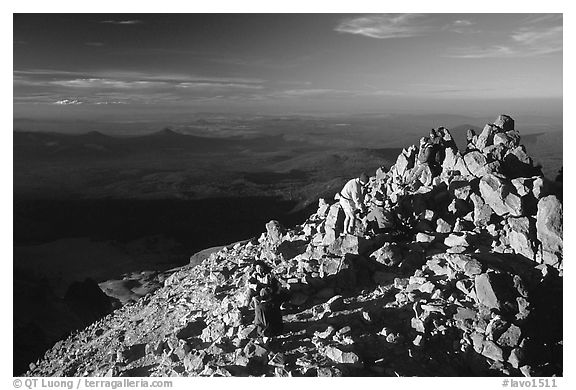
pixel 82 66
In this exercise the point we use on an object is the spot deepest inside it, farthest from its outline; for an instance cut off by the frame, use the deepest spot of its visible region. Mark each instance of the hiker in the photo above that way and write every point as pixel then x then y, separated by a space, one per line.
pixel 262 277
pixel 267 314
pixel 379 218
pixel 430 155
pixel 352 201
pixel 422 161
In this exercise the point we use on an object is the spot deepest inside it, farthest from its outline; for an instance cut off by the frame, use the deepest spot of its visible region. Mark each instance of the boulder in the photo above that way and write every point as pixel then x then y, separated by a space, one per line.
pixel 274 233
pixel 549 228
pixel 516 358
pixel 486 137
pixel 499 196
pixel 442 226
pixel 405 161
pixel 520 235
pixel 461 168
pixel 504 122
pixel 390 254
pixel 450 160
pixel 492 290
pixel 194 362
pixel 511 337
pixel 476 163
pixel 322 208
pixel 425 238
pixel 456 239
pixel 482 211
pixel 517 163
pixel 335 217
pixel 492 351
pixel 339 356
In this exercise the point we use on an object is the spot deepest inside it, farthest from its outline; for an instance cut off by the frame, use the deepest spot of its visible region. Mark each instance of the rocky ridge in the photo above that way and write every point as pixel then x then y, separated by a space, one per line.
pixel 470 285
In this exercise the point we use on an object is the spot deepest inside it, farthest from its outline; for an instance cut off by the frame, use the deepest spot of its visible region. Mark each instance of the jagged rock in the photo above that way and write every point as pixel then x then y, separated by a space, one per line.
pixel 453 240
pixel 486 137
pixel 322 208
pixel 517 163
pixel 213 331
pixel 491 290
pixel 340 356
pixel 504 122
pixel 516 358
pixel 482 211
pixel 390 254
pixel 549 229
pixel 335 216
pixel 418 341
pixel 194 362
pixel 423 237
pixel 476 163
pixel 492 351
pixel 405 161
pixel 511 337
pixel 442 226
pixel 499 197
pixel 520 235
pixel 275 232
pixel 330 266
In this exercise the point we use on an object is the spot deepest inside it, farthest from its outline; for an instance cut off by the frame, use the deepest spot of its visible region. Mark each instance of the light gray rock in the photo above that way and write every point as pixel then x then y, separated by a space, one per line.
pixel 457 239
pixel 499 196
pixel 486 137
pixel 511 337
pixel 390 254
pixel 504 122
pixel 549 227
pixel 339 356
pixel 492 351
pixel 442 226
pixel 520 235
pixel 476 163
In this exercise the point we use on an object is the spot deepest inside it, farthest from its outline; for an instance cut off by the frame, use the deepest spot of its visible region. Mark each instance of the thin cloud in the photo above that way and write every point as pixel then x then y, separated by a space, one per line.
pixel 461 26
pixel 68 102
pixel 200 85
pixel 106 83
pixel 537 36
pixel 122 22
pixel 95 44
pixel 127 87
pixel 544 39
pixel 386 26
pixel 462 22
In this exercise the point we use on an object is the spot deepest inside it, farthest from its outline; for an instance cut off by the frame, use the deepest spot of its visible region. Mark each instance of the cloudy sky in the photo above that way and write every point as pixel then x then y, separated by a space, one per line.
pixel 91 64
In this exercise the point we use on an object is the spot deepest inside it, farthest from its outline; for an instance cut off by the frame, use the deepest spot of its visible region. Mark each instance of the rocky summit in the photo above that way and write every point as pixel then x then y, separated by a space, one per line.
pixel 468 283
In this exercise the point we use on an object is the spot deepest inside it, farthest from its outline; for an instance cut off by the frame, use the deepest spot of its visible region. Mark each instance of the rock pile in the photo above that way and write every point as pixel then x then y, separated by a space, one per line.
pixel 470 284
